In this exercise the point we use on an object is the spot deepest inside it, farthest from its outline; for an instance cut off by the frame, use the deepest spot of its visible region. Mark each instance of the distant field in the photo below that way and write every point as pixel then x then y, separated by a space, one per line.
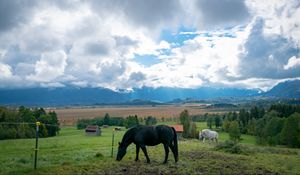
pixel 72 152
pixel 69 116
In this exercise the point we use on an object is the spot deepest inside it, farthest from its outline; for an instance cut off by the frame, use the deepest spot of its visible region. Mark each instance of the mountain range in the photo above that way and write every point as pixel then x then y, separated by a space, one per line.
pixel 73 96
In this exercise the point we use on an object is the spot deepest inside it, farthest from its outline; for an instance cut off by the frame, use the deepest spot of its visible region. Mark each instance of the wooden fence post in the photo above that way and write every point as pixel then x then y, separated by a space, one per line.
pixel 36 143
pixel 112 144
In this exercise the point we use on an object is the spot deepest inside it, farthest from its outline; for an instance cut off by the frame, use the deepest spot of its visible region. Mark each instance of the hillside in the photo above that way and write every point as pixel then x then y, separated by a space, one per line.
pixel 99 96
pixel 287 89
pixel 72 96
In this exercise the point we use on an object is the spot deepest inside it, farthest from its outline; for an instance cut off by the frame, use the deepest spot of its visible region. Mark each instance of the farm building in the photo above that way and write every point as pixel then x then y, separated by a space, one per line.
pixel 178 129
pixel 93 130
pixel 105 126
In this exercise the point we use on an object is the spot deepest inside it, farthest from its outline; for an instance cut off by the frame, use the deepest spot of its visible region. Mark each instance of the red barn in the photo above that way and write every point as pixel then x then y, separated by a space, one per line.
pixel 178 129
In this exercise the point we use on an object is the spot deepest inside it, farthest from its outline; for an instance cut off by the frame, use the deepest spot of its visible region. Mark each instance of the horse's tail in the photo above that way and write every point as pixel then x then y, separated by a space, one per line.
pixel 175 145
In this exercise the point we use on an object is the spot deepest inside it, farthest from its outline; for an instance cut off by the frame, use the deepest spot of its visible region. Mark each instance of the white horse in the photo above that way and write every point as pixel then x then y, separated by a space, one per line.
pixel 208 134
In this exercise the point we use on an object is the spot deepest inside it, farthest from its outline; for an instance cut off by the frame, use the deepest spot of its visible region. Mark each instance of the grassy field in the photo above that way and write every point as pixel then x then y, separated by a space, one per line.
pixel 72 152
pixel 69 116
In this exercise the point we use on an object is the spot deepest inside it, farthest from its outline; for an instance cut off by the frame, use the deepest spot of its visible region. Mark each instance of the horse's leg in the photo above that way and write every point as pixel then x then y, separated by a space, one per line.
pixel 173 151
pixel 137 152
pixel 203 140
pixel 145 152
pixel 166 152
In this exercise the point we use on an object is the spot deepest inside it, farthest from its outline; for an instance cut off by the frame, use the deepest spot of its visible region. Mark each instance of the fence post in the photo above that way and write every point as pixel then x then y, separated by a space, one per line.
pixel 36 143
pixel 112 144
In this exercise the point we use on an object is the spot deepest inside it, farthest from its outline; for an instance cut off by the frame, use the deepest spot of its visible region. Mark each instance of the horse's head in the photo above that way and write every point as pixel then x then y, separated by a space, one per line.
pixel 121 151
pixel 201 135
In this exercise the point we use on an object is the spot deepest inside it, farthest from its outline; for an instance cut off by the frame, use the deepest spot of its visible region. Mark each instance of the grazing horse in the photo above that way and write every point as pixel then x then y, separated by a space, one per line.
pixel 208 134
pixel 143 136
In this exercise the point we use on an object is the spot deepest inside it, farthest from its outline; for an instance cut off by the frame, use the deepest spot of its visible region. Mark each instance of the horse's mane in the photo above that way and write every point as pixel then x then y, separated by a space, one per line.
pixel 129 135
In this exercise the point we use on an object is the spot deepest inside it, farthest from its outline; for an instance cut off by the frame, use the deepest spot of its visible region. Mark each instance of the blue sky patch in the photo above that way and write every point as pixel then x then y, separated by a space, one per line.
pixel 146 60
pixel 176 37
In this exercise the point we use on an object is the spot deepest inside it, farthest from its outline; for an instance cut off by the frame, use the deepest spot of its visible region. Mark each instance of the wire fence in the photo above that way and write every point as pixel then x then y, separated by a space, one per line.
pixel 36 149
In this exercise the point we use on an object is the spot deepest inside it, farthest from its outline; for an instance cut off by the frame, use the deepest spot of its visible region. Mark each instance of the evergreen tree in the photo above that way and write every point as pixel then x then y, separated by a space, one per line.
pixel 193 133
pixel 150 121
pixel 226 125
pixel 291 131
pixel 218 121
pixel 131 121
pixel 234 131
pixel 251 127
pixel 273 129
pixel 234 116
pixel 186 121
pixel 106 119
pixel 254 113
pixel 209 122
pixel 243 117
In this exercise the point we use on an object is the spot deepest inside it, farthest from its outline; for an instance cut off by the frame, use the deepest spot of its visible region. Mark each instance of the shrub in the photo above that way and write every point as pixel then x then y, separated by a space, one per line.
pixel 82 123
pixel 150 121
pixel 291 131
pixel 116 121
pixel 231 147
pixel 131 121
pixel 11 133
pixel 194 133
pixel 234 131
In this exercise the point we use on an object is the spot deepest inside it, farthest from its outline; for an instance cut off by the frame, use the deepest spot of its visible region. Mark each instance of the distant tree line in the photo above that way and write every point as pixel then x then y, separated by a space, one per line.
pixel 278 125
pixel 14 123
pixel 212 119
pixel 128 122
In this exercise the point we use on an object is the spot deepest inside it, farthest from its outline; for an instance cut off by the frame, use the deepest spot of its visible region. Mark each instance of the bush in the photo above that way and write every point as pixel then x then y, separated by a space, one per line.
pixel 150 121
pixel 131 121
pixel 234 131
pixel 116 121
pixel 10 133
pixel 82 123
pixel 226 125
pixel 2 132
pixel 194 133
pixel 231 147
pixel 291 131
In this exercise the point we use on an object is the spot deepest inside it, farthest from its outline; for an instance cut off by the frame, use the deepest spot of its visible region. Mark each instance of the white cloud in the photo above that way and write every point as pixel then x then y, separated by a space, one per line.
pixel 50 66
pixel 292 63
pixel 5 71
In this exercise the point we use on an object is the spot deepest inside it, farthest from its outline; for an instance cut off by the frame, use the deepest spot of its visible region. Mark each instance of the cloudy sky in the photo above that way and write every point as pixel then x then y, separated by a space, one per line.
pixel 125 44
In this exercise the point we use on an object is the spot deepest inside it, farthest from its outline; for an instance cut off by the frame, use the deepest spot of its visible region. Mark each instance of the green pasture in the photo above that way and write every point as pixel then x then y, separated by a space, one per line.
pixel 72 152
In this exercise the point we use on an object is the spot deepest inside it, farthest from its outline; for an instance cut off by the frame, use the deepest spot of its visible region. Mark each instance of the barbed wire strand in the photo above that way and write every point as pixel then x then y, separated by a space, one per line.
pixel 15 123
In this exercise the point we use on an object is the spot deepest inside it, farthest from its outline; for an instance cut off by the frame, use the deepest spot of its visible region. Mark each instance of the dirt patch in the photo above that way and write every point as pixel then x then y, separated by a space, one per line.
pixel 219 163
pixel 192 162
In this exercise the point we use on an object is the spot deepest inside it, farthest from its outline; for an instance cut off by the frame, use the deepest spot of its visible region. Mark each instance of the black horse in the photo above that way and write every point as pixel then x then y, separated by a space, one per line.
pixel 143 136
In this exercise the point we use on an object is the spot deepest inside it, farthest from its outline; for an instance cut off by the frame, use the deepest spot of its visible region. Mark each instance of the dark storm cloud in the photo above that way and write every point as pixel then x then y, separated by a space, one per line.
pixel 137 76
pixel 14 13
pixel 224 12
pixel 265 56
pixel 97 48
pixel 141 12
pixel 124 41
